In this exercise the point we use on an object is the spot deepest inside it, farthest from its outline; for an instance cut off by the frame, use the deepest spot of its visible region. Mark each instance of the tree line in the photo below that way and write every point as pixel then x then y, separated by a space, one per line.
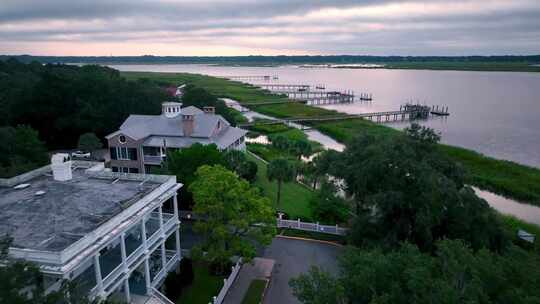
pixel 61 102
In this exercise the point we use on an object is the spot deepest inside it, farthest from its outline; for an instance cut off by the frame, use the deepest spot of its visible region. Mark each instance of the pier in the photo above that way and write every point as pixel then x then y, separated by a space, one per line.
pixel 406 112
pixel 317 96
pixel 251 77
pixel 282 87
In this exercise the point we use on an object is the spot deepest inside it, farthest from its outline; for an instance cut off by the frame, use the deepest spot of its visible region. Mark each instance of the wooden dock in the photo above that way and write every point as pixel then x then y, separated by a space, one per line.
pixel 406 112
pixel 317 96
pixel 279 87
pixel 251 77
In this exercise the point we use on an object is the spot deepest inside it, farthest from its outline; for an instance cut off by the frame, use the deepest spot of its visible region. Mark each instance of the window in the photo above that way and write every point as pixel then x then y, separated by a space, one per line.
pixel 122 139
pixel 133 170
pixel 123 153
pixel 114 169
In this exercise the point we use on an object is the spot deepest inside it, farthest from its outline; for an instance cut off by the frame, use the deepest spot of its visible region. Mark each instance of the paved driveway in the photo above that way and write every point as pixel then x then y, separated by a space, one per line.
pixel 293 257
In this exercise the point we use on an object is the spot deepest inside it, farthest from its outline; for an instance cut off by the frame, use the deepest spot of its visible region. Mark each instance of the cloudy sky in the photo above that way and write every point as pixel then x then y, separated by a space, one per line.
pixel 269 27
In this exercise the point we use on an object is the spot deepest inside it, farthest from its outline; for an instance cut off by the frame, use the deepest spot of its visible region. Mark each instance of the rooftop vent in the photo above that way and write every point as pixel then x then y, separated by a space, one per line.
pixel 61 167
pixel 39 193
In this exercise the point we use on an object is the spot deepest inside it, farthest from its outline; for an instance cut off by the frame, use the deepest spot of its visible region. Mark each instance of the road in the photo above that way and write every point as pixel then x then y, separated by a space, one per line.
pixel 293 257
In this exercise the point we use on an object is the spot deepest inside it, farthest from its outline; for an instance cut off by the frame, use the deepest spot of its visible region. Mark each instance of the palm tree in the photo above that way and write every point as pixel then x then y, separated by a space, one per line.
pixel 281 171
pixel 301 148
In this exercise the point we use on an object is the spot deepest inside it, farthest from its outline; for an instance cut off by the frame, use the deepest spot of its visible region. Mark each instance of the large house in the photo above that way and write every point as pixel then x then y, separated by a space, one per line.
pixel 143 140
pixel 116 235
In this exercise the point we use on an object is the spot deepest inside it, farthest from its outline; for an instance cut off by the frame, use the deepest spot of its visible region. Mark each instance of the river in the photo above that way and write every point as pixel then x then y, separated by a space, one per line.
pixel 494 113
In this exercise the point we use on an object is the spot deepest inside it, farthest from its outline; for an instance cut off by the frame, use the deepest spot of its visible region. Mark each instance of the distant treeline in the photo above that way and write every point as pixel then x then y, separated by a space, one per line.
pixel 270 60
pixel 61 102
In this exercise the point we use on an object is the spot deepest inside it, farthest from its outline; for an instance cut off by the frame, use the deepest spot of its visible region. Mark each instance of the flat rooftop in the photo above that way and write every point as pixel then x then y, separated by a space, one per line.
pixel 67 211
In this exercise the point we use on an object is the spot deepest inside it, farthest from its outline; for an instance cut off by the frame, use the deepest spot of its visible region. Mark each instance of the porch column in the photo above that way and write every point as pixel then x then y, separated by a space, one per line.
pixel 147 275
pixel 99 279
pixel 178 248
pixel 126 290
pixel 175 206
pixel 163 255
pixel 160 213
pixel 123 251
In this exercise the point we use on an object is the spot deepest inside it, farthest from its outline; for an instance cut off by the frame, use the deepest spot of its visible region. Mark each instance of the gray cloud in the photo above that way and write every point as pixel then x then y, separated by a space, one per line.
pixel 419 27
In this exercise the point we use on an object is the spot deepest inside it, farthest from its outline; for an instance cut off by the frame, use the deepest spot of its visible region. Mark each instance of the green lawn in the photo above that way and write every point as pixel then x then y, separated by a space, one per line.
pixel 204 287
pixel 254 293
pixel 314 235
pixel 294 197
pixel 503 177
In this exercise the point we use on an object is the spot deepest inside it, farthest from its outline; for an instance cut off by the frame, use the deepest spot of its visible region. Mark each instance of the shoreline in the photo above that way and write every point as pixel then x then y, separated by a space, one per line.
pixel 506 178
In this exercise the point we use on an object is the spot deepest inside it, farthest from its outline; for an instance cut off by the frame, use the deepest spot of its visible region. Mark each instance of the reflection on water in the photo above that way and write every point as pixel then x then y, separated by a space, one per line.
pixel 525 212
pixel 494 113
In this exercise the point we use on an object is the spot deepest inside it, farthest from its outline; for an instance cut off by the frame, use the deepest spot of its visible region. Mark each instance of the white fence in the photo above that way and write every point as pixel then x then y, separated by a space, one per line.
pixel 227 283
pixel 315 227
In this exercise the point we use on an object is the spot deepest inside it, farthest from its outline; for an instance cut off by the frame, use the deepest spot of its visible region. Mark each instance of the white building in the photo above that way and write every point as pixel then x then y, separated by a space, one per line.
pixel 116 235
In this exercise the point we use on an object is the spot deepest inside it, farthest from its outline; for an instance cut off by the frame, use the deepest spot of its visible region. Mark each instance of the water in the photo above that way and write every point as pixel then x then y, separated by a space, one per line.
pixel 525 212
pixel 326 141
pixel 494 113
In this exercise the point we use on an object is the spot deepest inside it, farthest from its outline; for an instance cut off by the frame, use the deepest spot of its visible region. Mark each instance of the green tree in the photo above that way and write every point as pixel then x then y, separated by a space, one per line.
pixel 281 171
pixel 185 162
pixel 317 287
pixel 281 142
pixel 454 274
pixel 417 193
pixel 21 150
pixel 22 283
pixel 235 215
pixel 327 207
pixel 89 142
pixel 301 148
pixel 237 161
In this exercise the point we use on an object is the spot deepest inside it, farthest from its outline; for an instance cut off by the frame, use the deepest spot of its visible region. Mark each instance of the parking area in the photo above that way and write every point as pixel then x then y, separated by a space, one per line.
pixel 293 257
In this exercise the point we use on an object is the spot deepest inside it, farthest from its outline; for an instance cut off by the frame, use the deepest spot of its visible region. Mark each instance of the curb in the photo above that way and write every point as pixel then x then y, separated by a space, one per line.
pixel 265 289
pixel 308 240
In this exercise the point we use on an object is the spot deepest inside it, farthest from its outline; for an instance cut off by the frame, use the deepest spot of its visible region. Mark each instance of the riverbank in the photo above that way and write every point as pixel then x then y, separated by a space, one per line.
pixel 502 177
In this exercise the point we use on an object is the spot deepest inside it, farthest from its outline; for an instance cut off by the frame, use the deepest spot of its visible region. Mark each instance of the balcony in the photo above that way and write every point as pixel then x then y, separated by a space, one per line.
pixel 153 159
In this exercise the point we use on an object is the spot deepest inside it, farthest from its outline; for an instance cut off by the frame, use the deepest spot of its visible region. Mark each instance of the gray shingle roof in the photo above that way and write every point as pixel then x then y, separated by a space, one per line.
pixel 155 128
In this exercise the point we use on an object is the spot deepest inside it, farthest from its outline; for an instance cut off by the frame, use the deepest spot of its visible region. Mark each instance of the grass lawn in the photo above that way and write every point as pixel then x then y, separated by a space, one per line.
pixel 255 292
pixel 204 287
pixel 294 197
pixel 314 235
pixel 503 177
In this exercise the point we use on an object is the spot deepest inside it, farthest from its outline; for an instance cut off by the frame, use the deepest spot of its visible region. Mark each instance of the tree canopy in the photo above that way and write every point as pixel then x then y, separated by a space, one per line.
pixel 234 214
pixel 455 274
pixel 20 151
pixel 62 102
pixel 405 190
pixel 89 142
pixel 184 163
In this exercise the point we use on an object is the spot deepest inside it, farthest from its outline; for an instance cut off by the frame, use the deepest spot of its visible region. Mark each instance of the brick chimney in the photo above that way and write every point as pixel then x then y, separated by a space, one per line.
pixel 188 123
pixel 209 110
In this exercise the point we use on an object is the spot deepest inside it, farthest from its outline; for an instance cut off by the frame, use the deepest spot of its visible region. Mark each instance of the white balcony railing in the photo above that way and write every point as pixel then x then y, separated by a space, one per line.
pixel 153 159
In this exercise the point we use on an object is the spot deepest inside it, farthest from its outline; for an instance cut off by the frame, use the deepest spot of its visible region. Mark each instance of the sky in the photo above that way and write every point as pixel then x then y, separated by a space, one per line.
pixel 269 27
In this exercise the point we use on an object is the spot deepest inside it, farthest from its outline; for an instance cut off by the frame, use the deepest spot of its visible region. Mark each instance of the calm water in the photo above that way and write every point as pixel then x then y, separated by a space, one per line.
pixel 495 113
